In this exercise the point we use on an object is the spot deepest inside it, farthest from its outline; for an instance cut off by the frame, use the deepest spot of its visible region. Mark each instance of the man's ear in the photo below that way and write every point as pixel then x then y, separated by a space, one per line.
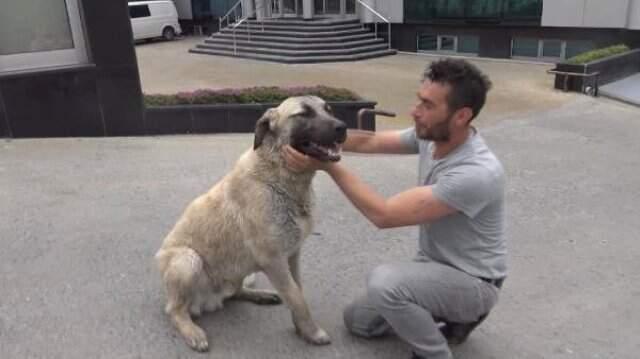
pixel 262 126
pixel 464 115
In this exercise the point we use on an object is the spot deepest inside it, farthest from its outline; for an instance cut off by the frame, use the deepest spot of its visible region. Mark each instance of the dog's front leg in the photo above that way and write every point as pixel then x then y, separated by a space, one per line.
pixel 282 280
pixel 294 267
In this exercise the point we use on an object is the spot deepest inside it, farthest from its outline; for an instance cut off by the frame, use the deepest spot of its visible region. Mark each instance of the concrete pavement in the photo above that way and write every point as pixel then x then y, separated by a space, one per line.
pixel 81 218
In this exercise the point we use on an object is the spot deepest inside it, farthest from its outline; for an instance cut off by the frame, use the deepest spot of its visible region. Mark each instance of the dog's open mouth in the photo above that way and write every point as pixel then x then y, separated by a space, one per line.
pixel 321 152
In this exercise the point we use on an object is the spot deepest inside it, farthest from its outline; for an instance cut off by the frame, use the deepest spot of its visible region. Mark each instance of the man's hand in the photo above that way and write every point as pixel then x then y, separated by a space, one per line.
pixel 299 162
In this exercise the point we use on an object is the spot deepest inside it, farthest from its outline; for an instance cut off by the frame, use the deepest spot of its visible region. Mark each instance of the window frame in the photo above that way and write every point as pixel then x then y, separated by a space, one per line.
pixel 33 61
pixel 439 50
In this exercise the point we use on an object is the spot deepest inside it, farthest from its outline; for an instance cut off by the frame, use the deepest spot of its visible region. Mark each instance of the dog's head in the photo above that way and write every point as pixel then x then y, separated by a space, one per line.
pixel 307 124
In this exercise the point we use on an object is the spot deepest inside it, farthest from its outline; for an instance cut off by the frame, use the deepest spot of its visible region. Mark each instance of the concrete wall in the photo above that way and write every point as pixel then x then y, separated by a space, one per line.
pixel 634 15
pixel 392 10
pixel 589 13
pixel 184 9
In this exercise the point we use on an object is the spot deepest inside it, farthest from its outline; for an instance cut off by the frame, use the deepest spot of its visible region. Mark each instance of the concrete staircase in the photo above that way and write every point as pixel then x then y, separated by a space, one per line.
pixel 296 41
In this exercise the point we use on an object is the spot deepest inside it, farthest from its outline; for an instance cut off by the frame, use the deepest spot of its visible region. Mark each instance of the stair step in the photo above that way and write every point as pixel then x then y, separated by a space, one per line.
pixel 295 28
pixel 306 35
pixel 294 53
pixel 290 59
pixel 295 46
pixel 297 40
pixel 314 22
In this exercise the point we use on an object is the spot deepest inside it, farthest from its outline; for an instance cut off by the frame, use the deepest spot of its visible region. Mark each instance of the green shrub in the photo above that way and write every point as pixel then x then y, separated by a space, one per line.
pixel 248 95
pixel 598 54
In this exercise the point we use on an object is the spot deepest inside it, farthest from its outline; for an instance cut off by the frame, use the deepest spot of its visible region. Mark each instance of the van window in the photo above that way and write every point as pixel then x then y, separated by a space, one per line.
pixel 136 11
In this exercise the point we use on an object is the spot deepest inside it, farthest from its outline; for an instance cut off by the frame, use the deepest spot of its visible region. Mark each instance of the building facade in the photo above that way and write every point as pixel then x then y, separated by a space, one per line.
pixel 75 73
pixel 545 30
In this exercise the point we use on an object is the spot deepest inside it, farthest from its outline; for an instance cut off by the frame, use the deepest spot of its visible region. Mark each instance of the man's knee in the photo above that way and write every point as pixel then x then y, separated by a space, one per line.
pixel 363 320
pixel 383 284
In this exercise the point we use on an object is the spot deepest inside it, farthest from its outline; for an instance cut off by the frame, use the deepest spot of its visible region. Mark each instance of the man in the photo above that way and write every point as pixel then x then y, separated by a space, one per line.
pixel 458 204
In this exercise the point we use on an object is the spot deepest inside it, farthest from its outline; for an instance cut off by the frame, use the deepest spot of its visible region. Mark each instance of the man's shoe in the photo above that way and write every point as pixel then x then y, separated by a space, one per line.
pixel 457 333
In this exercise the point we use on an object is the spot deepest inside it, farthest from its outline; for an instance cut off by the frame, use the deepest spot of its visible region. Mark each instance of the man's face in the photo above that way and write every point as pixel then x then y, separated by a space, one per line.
pixel 431 113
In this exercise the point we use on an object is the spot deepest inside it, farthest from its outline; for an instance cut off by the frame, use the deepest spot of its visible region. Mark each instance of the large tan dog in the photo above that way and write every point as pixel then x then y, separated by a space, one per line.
pixel 254 219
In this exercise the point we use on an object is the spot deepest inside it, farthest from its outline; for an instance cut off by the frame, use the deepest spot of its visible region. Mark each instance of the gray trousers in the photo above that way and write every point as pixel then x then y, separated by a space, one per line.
pixel 403 298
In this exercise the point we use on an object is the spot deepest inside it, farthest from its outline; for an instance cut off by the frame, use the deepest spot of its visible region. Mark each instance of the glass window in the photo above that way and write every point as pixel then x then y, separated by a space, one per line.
pixel 447 43
pixel 576 47
pixel 552 48
pixel 525 47
pixel 139 11
pixel 523 9
pixel 449 8
pixel 484 8
pixel 20 34
pixel 468 44
pixel 35 33
pixel 427 42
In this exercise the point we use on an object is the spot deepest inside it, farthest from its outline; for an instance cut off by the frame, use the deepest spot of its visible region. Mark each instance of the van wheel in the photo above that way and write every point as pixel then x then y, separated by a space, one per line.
pixel 168 33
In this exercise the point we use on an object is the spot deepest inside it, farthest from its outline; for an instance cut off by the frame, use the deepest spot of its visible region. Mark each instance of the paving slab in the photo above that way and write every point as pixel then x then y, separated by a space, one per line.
pixel 626 90
pixel 81 219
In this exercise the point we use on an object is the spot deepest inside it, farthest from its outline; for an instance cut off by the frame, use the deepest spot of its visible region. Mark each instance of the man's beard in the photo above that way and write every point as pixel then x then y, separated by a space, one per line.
pixel 438 133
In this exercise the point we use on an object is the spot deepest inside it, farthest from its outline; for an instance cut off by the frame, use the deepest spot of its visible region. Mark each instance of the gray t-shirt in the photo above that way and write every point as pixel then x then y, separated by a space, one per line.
pixel 471 180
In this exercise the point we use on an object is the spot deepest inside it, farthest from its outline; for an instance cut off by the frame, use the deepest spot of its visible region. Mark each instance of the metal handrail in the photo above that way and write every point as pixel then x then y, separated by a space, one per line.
pixel 376 23
pixel 233 31
pixel 365 111
pixel 226 16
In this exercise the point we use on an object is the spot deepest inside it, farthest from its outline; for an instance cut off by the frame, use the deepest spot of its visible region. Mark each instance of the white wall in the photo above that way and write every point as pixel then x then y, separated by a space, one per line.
pixel 184 9
pixel 586 13
pixel 392 10
pixel 609 13
pixel 634 15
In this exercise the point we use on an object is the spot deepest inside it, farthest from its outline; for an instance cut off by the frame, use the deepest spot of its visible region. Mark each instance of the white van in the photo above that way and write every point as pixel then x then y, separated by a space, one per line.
pixel 150 19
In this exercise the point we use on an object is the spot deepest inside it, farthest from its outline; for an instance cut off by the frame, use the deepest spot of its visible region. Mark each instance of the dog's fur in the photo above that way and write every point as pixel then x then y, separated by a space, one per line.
pixel 254 219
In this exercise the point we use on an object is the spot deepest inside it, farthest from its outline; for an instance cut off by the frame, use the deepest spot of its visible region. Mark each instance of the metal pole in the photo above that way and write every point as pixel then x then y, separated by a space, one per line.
pixel 389 24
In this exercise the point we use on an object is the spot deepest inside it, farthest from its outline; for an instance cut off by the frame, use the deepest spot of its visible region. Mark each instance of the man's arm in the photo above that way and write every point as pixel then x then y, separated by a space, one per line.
pixel 375 142
pixel 414 206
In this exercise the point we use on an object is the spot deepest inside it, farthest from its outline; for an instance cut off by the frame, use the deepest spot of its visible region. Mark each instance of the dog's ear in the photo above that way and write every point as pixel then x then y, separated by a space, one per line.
pixel 263 126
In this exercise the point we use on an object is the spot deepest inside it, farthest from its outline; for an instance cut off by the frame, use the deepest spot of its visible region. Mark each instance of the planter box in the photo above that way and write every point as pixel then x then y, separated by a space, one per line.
pixel 611 69
pixel 225 118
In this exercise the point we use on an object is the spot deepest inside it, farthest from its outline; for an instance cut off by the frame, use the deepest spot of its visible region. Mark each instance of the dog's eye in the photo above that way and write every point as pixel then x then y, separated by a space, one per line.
pixel 328 109
pixel 307 111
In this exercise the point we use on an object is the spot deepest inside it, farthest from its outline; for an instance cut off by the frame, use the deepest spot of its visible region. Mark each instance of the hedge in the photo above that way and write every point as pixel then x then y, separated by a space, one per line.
pixel 598 54
pixel 248 95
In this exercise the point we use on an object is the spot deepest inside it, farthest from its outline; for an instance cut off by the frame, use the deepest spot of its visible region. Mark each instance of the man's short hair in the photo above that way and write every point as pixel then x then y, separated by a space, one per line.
pixel 469 86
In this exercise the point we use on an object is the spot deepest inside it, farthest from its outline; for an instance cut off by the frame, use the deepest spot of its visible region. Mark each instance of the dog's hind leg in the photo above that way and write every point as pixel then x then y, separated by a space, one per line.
pixel 182 276
pixel 257 296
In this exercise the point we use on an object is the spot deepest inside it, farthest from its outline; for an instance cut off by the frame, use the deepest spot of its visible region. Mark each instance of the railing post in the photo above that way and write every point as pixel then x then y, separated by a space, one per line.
pixel 389 24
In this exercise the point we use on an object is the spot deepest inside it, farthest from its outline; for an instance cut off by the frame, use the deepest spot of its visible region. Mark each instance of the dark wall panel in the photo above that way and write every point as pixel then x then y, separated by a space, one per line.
pixel 121 98
pixel 53 105
pixel 109 32
pixel 4 121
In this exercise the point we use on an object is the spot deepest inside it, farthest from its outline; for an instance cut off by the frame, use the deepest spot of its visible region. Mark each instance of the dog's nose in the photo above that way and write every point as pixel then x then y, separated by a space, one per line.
pixel 341 130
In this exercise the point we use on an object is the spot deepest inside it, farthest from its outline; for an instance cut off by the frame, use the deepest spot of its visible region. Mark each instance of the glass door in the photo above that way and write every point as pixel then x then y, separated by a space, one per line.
pixel 334 7
pixel 351 7
pixel 281 8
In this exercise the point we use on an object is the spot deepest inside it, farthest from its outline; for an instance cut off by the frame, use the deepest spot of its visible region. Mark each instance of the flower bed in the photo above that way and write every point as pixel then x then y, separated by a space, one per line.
pixel 237 110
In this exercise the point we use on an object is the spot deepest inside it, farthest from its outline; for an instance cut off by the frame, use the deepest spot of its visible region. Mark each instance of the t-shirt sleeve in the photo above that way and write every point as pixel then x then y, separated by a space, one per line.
pixel 408 138
pixel 468 189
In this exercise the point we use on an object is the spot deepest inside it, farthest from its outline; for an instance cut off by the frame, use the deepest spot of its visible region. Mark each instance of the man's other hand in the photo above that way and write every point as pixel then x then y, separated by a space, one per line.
pixel 299 162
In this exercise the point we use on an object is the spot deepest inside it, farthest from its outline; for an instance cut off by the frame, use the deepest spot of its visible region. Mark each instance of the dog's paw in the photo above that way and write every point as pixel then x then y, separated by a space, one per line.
pixel 320 337
pixel 197 340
